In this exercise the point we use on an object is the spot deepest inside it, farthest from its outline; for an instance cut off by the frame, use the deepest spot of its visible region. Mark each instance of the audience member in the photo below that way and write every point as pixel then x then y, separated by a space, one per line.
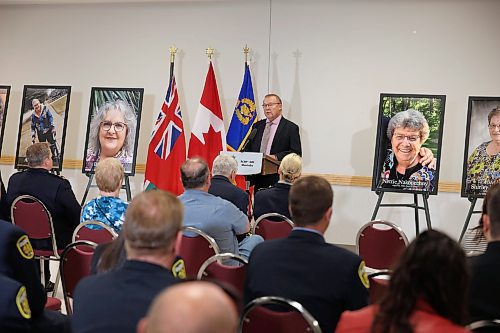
pixel 54 191
pixel 275 199
pixel 17 263
pixel 426 292
pixel 222 183
pixel 15 313
pixel 485 289
pixel 107 208
pixel 217 217
pixel 114 301
pixel 109 256
pixel 324 278
pixel 191 307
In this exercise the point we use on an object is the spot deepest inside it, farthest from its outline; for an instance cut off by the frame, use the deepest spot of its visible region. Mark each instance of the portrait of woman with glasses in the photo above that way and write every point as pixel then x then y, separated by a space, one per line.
pixel 112 133
pixel 402 169
pixel 483 165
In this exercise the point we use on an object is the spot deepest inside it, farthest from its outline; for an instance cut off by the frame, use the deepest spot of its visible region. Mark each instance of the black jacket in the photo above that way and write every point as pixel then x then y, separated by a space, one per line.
pixel 222 187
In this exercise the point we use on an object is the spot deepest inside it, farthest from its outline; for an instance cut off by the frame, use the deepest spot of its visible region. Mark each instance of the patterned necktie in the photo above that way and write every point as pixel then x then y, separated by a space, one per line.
pixel 265 137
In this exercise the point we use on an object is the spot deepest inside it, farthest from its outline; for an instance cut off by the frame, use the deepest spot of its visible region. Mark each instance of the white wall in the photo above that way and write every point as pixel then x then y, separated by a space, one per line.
pixel 329 60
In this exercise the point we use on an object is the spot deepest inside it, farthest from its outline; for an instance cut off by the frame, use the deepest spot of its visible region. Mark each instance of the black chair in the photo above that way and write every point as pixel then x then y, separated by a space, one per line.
pixel 485 326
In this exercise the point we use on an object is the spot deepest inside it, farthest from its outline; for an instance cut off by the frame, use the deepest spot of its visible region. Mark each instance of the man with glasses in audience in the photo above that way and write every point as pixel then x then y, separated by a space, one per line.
pixel 275 136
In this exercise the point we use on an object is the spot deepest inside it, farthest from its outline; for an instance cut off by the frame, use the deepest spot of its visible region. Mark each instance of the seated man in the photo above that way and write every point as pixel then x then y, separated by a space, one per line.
pixel 116 300
pixel 324 278
pixel 191 307
pixel 484 288
pixel 275 199
pixel 222 184
pixel 53 191
pixel 15 313
pixel 217 217
pixel 17 263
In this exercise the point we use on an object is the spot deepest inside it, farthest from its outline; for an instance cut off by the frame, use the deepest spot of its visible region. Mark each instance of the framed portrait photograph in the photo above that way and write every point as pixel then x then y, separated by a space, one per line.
pixel 481 166
pixel 407 153
pixel 4 103
pixel 44 117
pixel 113 127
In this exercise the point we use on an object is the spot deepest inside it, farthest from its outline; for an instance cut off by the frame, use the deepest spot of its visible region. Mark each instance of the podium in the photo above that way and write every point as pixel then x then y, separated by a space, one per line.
pixel 254 163
pixel 269 165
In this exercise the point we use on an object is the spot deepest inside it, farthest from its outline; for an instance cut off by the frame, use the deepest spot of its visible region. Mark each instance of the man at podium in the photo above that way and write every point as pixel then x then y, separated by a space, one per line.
pixel 274 136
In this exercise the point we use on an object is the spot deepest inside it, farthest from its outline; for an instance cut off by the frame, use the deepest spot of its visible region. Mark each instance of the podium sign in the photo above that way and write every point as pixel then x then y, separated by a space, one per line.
pixel 248 163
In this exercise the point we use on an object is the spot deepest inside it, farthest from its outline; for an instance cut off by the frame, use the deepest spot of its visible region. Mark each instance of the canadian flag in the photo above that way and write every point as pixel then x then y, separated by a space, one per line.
pixel 208 136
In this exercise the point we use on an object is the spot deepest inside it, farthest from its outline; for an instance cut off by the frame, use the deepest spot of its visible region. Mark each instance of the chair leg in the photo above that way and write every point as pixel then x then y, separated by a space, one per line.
pixel 56 284
pixel 42 270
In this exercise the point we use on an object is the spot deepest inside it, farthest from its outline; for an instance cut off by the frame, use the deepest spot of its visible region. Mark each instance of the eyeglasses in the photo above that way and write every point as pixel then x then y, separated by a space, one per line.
pixel 269 105
pixel 497 127
pixel 411 138
pixel 106 125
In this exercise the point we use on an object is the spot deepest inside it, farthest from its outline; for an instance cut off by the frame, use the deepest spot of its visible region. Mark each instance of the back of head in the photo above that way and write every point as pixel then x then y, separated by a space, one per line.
pixel 432 269
pixel 109 174
pixel 310 197
pixel 223 165
pixel 194 173
pixel 290 167
pixel 152 221
pixel 492 201
pixel 37 153
pixel 191 307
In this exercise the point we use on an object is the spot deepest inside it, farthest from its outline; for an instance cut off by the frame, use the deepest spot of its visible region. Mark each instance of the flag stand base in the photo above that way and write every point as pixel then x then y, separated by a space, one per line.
pixel 125 186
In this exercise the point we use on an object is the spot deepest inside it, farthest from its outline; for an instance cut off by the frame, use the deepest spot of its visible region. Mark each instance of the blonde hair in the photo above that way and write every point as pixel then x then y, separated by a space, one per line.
pixel 291 167
pixel 109 174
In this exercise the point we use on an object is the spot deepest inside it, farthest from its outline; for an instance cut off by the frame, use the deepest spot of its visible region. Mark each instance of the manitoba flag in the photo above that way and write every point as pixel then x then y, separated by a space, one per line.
pixel 167 148
pixel 208 136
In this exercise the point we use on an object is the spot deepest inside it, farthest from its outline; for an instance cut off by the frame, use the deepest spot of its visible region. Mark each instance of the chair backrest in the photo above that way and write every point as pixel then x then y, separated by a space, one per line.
pixel 272 225
pixel 214 268
pixel 485 326
pixel 31 215
pixel 194 248
pixel 380 243
pixel 103 234
pixel 256 318
pixel 74 265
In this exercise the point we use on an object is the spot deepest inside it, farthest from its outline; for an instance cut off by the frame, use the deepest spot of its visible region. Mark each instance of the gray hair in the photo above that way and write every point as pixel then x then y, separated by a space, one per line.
pixel 223 165
pixel 412 119
pixel 194 173
pixel 129 118
pixel 494 112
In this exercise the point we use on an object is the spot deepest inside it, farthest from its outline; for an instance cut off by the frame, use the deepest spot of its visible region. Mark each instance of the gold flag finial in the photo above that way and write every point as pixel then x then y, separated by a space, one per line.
pixel 210 52
pixel 173 51
pixel 246 50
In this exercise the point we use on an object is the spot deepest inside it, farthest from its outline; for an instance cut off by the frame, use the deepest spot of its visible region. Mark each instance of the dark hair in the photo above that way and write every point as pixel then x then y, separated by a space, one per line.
pixel 113 255
pixel 432 268
pixel 310 197
pixel 492 203
pixel 194 172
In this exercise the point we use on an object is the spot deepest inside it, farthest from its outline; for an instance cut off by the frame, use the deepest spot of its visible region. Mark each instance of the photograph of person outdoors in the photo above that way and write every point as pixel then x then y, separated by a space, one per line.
pixel 112 133
pixel 406 165
pixel 483 165
pixel 43 119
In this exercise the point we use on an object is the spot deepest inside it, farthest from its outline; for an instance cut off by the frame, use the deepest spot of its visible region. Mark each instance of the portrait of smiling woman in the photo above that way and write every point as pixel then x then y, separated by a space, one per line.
pixel 112 132
pixel 407 130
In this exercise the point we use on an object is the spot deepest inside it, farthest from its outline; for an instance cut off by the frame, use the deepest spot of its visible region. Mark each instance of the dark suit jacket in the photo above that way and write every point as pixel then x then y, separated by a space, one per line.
pixel 56 194
pixel 222 187
pixel 286 139
pixel 12 318
pixel 303 267
pixel 17 262
pixel 115 301
pixel 272 200
pixel 485 288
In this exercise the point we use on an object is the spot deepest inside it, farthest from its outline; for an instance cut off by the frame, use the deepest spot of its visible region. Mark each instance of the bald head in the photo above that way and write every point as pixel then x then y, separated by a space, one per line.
pixel 191 307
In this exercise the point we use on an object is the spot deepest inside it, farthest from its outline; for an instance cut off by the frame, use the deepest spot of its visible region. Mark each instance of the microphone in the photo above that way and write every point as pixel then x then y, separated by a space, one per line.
pixel 250 138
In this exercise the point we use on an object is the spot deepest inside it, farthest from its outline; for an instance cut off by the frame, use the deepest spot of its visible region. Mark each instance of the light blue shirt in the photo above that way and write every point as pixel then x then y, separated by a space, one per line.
pixel 217 217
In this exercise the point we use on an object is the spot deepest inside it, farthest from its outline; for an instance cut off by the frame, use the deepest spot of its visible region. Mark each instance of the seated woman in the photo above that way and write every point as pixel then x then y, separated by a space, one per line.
pixel 426 293
pixel 408 130
pixel 275 199
pixel 107 208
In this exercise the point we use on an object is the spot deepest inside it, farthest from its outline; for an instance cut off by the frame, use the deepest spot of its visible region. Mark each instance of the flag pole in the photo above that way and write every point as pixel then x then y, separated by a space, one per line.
pixel 246 50
pixel 210 52
pixel 173 51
